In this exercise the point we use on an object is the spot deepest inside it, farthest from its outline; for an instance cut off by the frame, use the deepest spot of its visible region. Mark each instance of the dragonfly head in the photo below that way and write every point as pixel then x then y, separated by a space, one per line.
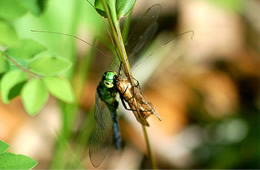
pixel 108 79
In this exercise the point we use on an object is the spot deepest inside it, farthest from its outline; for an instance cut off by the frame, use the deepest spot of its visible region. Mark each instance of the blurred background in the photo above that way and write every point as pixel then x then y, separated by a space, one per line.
pixel 205 88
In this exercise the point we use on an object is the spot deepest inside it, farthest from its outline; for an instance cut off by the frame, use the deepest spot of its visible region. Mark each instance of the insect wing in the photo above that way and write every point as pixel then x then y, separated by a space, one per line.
pixel 101 139
pixel 145 107
pixel 143 32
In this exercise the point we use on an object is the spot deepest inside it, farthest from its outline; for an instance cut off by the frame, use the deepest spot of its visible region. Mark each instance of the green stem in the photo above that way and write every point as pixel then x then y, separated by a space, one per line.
pixel 117 37
pixel 20 67
pixel 149 150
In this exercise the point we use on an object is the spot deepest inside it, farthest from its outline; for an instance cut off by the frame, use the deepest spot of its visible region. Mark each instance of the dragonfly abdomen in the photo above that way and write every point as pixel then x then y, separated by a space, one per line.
pixel 117 136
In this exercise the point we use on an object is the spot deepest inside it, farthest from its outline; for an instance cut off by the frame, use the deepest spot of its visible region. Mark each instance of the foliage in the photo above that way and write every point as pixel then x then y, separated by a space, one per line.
pixel 25 71
pixel 14 161
pixel 119 7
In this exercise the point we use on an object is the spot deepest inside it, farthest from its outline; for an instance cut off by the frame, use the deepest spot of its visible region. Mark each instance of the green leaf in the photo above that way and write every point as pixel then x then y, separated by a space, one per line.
pixel 49 65
pixel 36 7
pixel 111 4
pixel 120 7
pixel 16 90
pixel 26 49
pixel 123 7
pixel 34 96
pixel 8 35
pixel 42 5
pixel 9 81
pixel 233 5
pixel 99 8
pixel 18 61
pixel 32 6
pixel 60 88
pixel 14 161
pixel 3 147
pixel 3 63
pixel 11 9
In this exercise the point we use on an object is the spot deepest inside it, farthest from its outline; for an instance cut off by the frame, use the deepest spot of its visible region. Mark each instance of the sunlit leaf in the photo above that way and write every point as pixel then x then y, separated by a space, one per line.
pixel 7 34
pixel 42 4
pixel 16 90
pixel 3 146
pixel 14 161
pixel 123 7
pixel 99 8
pixel 3 63
pixel 49 65
pixel 11 9
pixel 234 5
pixel 14 62
pixel 26 49
pixel 31 5
pixel 34 96
pixel 9 81
pixel 60 88
pixel 36 7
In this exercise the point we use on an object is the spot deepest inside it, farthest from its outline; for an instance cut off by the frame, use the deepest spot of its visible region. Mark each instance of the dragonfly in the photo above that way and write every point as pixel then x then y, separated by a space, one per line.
pixel 113 83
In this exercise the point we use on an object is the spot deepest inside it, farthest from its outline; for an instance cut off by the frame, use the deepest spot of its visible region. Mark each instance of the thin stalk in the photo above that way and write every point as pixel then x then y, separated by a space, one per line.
pixel 20 67
pixel 149 150
pixel 117 36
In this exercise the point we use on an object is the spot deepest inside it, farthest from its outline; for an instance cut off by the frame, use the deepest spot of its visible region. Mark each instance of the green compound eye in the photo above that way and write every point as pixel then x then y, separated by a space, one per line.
pixel 110 75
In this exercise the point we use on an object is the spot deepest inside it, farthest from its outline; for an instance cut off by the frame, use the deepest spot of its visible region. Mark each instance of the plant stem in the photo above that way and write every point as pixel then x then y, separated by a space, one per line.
pixel 20 67
pixel 149 150
pixel 117 36
pixel 114 25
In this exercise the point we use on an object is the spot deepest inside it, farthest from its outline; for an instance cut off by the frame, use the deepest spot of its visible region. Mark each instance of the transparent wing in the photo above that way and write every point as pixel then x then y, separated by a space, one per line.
pixel 114 66
pixel 102 136
pixel 143 32
pixel 140 36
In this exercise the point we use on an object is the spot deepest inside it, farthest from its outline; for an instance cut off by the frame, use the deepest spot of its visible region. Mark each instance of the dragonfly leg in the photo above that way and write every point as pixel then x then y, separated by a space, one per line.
pixel 123 102
pixel 146 111
pixel 120 68
pixel 124 96
pixel 125 90
pixel 131 97
pixel 137 83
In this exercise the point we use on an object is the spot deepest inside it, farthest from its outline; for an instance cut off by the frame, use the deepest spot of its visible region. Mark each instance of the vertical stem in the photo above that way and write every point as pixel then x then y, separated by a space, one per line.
pixel 118 39
pixel 117 36
pixel 149 150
